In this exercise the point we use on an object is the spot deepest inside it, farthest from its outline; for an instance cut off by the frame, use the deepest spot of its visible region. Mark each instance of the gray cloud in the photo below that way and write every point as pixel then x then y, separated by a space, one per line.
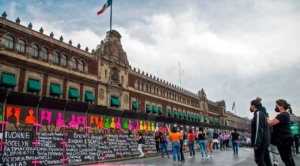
pixel 234 50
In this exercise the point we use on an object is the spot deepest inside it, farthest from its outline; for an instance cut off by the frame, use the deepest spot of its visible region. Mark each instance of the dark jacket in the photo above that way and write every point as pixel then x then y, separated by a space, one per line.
pixel 260 134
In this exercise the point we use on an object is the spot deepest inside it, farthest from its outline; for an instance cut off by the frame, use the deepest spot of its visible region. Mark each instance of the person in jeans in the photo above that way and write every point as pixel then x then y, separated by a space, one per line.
pixel 180 130
pixel 202 143
pixel 140 145
pixel 191 138
pixel 260 134
pixel 235 138
pixel 163 144
pixel 175 138
pixel 282 132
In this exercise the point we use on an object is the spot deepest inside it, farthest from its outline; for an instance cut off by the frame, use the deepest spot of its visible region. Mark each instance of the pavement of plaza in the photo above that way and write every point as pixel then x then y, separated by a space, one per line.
pixel 220 158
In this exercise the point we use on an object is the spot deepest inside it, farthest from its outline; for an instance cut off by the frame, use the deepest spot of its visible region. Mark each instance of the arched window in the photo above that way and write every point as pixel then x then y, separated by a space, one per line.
pixel 9 42
pixel 55 57
pixel 64 60
pixel 81 65
pixel 44 53
pixel 21 46
pixel 74 63
pixel 34 50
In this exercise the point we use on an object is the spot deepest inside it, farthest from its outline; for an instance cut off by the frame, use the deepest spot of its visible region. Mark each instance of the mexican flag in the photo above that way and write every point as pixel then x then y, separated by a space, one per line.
pixel 233 105
pixel 105 6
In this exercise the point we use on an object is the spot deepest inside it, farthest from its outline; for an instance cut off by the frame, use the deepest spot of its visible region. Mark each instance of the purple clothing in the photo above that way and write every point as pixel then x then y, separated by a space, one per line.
pixel 226 137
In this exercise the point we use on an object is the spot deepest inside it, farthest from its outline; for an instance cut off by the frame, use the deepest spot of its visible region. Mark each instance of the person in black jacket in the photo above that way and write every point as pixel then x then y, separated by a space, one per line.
pixel 260 134
pixel 282 133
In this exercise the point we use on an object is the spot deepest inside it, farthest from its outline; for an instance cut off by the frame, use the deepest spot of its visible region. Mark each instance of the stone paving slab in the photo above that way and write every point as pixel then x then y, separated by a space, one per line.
pixel 220 158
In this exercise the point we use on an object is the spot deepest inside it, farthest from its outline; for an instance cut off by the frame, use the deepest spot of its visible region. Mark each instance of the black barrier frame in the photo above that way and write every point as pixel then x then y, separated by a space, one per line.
pixel 97 109
pixel 129 114
pixel 114 112
pixel 142 116
pixel 17 98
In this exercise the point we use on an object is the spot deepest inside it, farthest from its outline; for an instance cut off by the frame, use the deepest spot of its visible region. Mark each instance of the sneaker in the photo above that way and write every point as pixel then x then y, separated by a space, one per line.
pixel 275 163
pixel 203 158
pixel 207 158
pixel 190 157
pixel 173 162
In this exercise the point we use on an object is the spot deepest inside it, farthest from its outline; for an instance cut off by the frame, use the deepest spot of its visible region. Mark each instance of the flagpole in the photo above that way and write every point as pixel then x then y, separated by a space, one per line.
pixel 111 14
pixel 234 110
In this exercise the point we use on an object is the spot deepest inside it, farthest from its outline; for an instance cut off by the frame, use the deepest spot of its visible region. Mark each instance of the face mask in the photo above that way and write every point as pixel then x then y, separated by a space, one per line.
pixel 251 110
pixel 276 109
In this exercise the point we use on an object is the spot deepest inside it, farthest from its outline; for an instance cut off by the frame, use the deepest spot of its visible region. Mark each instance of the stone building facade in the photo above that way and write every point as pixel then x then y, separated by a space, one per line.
pixel 32 62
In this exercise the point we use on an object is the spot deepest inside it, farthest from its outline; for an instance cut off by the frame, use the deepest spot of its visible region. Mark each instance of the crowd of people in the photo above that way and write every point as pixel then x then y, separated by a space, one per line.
pixel 276 135
pixel 207 139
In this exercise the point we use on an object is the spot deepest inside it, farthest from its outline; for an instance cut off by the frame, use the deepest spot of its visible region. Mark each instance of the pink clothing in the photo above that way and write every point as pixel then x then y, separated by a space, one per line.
pixel 226 137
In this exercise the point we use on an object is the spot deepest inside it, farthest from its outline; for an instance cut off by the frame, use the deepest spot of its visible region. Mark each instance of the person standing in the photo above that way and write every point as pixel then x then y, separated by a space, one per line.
pixel 294 128
pixel 202 143
pixel 191 138
pixel 235 136
pixel 226 140
pixel 209 141
pixel 182 138
pixel 140 144
pixel 260 134
pixel 175 138
pixel 216 141
pixel 282 135
pixel 221 141
pixel 163 144
pixel 156 138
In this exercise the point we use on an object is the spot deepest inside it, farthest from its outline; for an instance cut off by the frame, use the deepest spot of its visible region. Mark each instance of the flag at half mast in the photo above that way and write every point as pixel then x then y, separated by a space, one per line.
pixel 233 105
pixel 105 6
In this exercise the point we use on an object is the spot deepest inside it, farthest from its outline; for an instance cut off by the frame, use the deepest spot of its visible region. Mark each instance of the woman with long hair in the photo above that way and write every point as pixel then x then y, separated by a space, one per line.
pixel 175 138
pixel 202 143
pixel 191 138
pixel 181 132
pixel 163 144
pixel 282 135
pixel 140 144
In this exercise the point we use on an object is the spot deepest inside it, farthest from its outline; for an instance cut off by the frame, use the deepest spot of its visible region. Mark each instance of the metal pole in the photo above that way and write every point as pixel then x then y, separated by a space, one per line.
pixel 111 15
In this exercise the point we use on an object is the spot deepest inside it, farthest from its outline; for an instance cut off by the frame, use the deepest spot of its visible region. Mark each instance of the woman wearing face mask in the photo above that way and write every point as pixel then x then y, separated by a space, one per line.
pixel 260 134
pixel 282 135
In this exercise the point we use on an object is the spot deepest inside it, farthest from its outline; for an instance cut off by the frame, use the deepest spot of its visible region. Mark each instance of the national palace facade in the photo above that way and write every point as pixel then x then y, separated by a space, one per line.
pixel 32 62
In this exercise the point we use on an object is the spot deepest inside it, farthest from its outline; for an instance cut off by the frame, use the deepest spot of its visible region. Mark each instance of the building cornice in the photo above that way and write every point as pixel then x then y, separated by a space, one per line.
pixel 44 37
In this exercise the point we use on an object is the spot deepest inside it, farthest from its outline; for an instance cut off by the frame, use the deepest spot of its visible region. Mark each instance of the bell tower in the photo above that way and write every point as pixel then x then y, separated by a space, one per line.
pixel 114 68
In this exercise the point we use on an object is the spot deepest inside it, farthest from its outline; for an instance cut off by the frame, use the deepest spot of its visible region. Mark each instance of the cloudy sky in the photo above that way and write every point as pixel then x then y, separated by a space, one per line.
pixel 234 50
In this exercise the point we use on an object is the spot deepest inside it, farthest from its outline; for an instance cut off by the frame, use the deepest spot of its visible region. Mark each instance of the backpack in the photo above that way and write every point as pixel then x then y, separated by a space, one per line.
pixel 143 140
